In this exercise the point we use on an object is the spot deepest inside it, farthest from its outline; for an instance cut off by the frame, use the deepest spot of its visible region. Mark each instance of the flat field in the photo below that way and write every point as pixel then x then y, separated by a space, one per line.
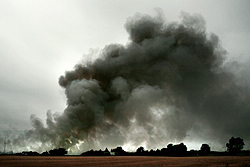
pixel 128 161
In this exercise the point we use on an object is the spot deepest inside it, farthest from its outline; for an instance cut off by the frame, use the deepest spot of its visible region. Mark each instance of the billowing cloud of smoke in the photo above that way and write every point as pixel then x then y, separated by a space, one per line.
pixel 168 80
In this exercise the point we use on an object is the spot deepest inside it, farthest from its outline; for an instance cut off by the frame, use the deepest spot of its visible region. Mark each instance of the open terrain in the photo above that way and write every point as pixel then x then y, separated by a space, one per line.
pixel 135 161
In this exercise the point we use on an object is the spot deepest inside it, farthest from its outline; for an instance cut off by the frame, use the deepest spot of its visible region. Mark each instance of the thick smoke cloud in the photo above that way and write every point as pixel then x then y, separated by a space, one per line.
pixel 168 80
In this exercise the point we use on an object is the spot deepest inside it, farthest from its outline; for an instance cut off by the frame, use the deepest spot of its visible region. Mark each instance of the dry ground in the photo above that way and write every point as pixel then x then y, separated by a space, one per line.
pixel 130 161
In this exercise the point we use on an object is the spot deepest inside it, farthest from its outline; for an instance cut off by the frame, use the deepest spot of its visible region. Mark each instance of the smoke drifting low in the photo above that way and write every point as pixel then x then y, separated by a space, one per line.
pixel 168 81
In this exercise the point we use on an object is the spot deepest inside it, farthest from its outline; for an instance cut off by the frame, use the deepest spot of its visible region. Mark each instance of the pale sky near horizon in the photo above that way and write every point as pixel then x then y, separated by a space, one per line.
pixel 40 40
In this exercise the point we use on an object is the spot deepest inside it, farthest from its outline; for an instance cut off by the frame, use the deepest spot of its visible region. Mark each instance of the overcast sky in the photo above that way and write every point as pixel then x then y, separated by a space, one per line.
pixel 40 40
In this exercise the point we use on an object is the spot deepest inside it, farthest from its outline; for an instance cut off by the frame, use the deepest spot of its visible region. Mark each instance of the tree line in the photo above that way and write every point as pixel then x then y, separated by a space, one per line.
pixel 54 152
pixel 177 150
pixel 234 146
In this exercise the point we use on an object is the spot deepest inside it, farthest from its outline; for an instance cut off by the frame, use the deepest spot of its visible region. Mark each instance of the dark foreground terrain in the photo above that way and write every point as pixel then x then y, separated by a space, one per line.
pixel 130 161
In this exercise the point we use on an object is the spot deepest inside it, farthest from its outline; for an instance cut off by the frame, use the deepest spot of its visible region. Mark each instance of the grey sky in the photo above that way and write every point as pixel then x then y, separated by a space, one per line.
pixel 40 40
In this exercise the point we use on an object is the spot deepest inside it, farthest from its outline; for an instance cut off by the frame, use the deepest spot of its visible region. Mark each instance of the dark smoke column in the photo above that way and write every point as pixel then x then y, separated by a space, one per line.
pixel 167 81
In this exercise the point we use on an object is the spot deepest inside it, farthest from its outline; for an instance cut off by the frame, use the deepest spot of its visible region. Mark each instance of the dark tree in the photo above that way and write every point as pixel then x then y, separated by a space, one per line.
pixel 205 149
pixel 118 151
pixel 58 152
pixel 165 151
pixel 106 152
pixel 174 150
pixel 89 153
pixel 158 152
pixel 168 151
pixel 170 147
pixel 235 145
pixel 151 152
pixel 45 153
pixel 180 149
pixel 30 153
pixel 140 151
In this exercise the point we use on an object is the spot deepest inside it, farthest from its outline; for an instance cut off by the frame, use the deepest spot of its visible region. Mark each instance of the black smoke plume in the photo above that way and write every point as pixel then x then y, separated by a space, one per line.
pixel 169 81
